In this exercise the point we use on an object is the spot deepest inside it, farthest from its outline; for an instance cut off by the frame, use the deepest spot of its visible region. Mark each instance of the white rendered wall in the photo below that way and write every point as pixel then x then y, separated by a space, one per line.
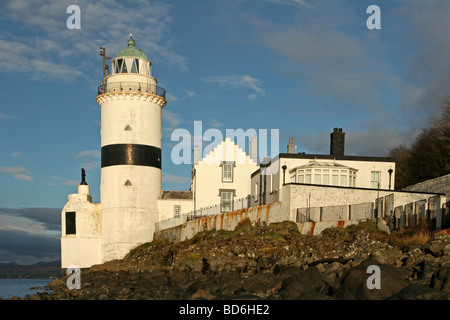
pixel 83 248
pixel 165 207
pixel 208 174
pixel 129 193
pixel 363 175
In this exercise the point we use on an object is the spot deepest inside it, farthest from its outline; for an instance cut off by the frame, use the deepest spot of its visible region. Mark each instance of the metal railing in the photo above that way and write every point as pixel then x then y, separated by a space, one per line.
pixel 128 86
pixel 220 208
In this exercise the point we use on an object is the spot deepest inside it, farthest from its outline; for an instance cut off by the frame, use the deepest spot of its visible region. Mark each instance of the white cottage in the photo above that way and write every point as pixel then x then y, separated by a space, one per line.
pixel 222 176
pixel 335 169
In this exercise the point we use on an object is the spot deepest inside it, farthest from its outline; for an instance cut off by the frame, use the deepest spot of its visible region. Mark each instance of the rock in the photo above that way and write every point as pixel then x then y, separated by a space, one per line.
pixel 202 294
pixel 438 246
pixel 389 256
pixel 262 285
pixel 421 292
pixel 383 226
pixel 354 283
pixel 301 283
pixel 441 280
pixel 269 262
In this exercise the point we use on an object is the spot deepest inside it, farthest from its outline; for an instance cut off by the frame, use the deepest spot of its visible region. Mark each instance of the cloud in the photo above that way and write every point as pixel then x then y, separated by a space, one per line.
pixel 171 118
pixel 17 172
pixel 88 153
pixel 16 154
pixel 30 235
pixel 53 52
pixel 26 219
pixel 27 248
pixel 170 178
pixel 238 81
pixel 216 123
pixel 5 116
pixel 87 163
pixel 70 183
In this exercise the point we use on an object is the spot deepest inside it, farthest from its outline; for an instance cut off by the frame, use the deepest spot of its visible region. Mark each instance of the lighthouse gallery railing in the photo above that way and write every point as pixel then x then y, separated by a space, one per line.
pixel 127 86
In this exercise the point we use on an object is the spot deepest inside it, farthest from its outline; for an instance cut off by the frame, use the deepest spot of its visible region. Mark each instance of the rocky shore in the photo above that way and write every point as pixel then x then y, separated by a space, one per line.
pixel 272 262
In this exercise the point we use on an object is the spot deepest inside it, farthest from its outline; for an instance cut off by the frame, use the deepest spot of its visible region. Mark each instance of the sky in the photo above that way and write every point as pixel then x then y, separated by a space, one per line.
pixel 302 67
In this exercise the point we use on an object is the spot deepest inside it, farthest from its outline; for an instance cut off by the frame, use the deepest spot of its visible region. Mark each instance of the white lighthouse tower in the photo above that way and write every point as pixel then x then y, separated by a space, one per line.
pixel 131 104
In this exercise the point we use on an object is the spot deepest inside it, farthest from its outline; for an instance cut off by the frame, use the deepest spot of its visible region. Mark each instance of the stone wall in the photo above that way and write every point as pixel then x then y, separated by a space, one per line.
pixel 295 196
pixel 269 213
pixel 438 185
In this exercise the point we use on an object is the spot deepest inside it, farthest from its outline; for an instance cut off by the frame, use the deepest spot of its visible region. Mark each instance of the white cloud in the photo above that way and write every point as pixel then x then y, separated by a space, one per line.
pixel 53 52
pixel 171 118
pixel 170 178
pixel 17 173
pixel 16 154
pixel 88 153
pixel 216 123
pixel 5 116
pixel 238 81
pixel 67 182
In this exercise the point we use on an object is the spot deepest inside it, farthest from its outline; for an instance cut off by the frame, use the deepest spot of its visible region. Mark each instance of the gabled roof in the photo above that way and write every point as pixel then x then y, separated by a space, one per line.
pixel 183 195
pixel 227 151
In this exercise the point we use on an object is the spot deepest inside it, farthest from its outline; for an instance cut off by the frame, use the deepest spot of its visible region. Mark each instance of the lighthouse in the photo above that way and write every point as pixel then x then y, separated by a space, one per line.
pixel 131 104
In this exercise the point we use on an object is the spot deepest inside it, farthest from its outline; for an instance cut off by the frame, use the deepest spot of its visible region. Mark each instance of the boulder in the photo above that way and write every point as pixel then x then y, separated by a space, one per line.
pixel 421 292
pixel 354 284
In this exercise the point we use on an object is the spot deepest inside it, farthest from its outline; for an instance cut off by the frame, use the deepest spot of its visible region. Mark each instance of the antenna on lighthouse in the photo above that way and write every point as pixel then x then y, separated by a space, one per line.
pixel 105 66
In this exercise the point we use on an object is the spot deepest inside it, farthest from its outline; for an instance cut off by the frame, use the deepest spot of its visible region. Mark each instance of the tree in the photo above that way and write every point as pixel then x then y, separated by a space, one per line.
pixel 429 155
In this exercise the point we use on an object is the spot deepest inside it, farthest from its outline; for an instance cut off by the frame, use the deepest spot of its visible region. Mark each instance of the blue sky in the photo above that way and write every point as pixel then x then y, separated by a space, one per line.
pixel 300 66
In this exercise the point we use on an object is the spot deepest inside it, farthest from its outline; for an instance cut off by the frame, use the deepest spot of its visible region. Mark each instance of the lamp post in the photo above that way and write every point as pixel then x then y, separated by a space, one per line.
pixel 390 174
pixel 284 173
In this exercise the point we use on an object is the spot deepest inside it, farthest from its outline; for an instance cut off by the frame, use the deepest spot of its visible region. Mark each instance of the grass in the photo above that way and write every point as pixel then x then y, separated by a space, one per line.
pixel 411 236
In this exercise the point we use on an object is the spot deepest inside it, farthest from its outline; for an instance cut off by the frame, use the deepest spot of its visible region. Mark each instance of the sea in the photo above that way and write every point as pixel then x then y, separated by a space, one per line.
pixel 21 287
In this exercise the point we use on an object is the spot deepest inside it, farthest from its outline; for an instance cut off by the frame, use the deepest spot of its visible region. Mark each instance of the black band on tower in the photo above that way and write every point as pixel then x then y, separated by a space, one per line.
pixel 131 154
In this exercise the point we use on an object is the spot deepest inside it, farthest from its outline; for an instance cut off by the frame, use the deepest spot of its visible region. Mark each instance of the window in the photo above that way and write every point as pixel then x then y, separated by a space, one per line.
pixel 256 191
pixel 352 179
pixel 226 200
pixel 317 176
pixel 326 177
pixel 124 67
pixel 119 66
pixel 375 179
pixel 135 66
pixel 343 181
pixel 334 177
pixel 176 211
pixel 70 223
pixel 308 176
pixel 227 172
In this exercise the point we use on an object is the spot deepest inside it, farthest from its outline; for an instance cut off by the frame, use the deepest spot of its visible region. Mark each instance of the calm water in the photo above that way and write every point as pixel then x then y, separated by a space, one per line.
pixel 20 287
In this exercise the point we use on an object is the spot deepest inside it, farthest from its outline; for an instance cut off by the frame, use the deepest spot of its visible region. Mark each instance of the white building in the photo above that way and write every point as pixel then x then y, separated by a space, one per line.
pixel 222 176
pixel 132 202
pixel 335 169
pixel 131 104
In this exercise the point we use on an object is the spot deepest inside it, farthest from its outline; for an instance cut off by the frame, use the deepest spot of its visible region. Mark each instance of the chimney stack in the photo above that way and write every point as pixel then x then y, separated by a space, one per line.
pixel 291 146
pixel 337 142
pixel 254 149
pixel 196 155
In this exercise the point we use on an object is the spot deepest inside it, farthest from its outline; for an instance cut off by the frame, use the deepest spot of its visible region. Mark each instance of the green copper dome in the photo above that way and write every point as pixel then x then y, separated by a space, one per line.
pixel 131 51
